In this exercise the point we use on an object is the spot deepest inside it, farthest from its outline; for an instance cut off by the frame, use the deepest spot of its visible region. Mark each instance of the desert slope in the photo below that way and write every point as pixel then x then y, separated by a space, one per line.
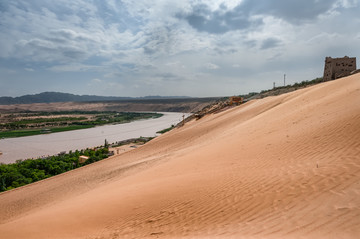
pixel 280 167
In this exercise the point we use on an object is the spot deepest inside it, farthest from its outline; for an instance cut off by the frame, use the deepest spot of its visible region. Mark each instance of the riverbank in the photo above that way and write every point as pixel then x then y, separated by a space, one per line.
pixel 35 123
pixel 24 172
pixel 51 144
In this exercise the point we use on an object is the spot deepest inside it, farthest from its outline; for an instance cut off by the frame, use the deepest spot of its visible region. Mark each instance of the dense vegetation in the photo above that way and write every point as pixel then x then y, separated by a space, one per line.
pixel 27 171
pixel 166 130
pixel 281 89
pixel 297 85
pixel 29 132
pixel 25 124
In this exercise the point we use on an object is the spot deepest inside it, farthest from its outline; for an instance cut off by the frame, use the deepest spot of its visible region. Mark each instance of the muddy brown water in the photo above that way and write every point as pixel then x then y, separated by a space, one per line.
pixel 50 144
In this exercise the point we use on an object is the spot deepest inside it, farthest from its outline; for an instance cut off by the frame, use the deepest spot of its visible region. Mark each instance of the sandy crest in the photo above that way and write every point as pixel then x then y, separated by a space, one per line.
pixel 280 167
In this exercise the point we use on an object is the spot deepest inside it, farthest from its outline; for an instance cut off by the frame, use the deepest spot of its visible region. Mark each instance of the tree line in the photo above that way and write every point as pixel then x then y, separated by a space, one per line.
pixel 32 170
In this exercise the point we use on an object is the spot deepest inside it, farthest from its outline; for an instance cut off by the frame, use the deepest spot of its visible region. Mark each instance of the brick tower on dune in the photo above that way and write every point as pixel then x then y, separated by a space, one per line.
pixel 338 67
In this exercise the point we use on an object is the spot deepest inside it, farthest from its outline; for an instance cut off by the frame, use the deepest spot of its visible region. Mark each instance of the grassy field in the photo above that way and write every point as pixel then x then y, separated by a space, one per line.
pixel 29 132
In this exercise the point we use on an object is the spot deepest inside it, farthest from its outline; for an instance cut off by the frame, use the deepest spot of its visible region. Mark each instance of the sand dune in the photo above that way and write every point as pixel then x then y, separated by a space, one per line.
pixel 280 167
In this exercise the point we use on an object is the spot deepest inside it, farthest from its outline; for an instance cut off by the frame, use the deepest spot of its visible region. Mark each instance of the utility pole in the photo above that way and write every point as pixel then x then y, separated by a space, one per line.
pixel 284 79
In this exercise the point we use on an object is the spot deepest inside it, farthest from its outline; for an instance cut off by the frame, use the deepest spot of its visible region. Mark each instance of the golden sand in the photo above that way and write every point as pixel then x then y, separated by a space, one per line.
pixel 281 167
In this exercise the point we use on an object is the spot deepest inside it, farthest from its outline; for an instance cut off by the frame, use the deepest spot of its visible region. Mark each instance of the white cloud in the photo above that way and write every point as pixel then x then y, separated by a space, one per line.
pixel 74 67
pixel 211 66
pixel 157 43
pixel 347 3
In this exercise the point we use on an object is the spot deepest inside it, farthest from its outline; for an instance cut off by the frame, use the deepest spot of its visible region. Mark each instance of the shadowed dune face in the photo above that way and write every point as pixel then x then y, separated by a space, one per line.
pixel 280 167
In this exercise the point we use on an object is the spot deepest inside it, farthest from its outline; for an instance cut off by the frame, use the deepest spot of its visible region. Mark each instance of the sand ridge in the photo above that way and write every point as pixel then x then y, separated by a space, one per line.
pixel 281 167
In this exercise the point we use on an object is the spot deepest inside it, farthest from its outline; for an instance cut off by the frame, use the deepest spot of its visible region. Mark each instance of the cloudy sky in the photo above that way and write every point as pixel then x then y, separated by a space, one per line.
pixel 170 47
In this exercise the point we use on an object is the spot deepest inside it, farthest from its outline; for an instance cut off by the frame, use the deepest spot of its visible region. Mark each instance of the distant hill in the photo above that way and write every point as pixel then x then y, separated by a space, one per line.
pixel 50 97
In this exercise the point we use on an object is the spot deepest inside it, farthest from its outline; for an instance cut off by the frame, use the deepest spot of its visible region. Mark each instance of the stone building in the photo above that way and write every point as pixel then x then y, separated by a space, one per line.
pixel 338 67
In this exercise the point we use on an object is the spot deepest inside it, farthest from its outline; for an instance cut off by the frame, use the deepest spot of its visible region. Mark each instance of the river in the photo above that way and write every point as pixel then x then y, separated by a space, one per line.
pixel 50 144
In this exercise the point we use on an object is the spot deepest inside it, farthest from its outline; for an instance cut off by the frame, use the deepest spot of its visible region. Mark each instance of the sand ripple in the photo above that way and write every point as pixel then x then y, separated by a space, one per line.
pixel 280 167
